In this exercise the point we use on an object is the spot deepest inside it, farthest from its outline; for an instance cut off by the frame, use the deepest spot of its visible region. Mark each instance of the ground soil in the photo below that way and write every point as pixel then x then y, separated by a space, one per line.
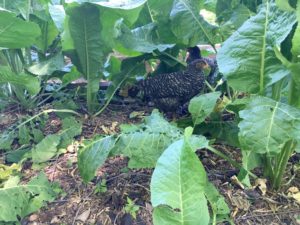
pixel 81 205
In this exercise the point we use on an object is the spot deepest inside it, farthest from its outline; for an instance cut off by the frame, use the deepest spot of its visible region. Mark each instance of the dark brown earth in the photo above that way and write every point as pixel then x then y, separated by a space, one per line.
pixel 80 204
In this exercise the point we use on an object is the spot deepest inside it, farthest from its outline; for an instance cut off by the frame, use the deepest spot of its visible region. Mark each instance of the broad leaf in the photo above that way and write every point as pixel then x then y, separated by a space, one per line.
pixel 46 149
pixel 217 202
pixel 48 32
pixel 85 28
pixel 267 125
pixel 15 32
pixel 93 155
pixel 247 58
pixel 201 106
pixel 48 66
pixel 18 201
pixel 70 128
pixel 144 147
pixel 177 187
pixel 6 139
pixel 30 83
pixel 112 11
pixel 24 135
pixel 189 26
pixel 141 39
pixel 296 38
pixel 58 14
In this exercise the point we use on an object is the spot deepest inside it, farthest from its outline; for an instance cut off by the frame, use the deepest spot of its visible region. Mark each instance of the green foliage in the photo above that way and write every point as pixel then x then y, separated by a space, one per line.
pixel 131 208
pixel 18 201
pixel 178 185
pixel 92 156
pixel 247 58
pixel 16 33
pixel 30 83
pixel 46 149
pixel 144 145
pixel 200 107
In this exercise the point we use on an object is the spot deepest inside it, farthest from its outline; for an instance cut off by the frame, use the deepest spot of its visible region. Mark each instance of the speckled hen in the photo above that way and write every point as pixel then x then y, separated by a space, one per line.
pixel 170 91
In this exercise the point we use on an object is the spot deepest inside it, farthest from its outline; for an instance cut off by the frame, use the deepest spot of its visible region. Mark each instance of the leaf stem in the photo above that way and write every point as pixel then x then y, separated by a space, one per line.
pixel 232 162
pixel 282 161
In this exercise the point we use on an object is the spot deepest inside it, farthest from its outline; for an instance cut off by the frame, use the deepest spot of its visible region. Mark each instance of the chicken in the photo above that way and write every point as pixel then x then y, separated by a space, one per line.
pixel 170 91
pixel 195 53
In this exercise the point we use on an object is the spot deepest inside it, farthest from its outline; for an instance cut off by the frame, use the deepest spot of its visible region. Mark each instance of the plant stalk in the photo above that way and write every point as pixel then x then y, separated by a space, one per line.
pixel 282 161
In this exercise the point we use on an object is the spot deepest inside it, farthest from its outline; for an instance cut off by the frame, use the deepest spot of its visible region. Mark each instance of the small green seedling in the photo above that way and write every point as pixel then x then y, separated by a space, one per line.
pixel 131 208
pixel 101 187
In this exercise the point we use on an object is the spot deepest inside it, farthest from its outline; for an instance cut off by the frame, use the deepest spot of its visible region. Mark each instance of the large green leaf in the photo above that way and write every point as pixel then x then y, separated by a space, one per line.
pixel 18 201
pixel 177 187
pixel 46 149
pixel 179 21
pixel 201 106
pixel 267 125
pixel 145 145
pixel 141 39
pixel 48 32
pixel 58 14
pixel 296 38
pixel 189 26
pixel 159 12
pixel 30 83
pixel 70 128
pixel 15 32
pixel 93 155
pixel 85 28
pixel 112 11
pixel 247 58
pixel 48 66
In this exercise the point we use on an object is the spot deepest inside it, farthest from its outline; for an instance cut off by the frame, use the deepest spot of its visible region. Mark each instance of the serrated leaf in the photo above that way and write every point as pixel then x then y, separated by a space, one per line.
pixel 46 149
pixel 177 187
pixel 267 125
pixel 247 58
pixel 201 106
pixel 93 155
pixel 70 128
pixel 18 201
